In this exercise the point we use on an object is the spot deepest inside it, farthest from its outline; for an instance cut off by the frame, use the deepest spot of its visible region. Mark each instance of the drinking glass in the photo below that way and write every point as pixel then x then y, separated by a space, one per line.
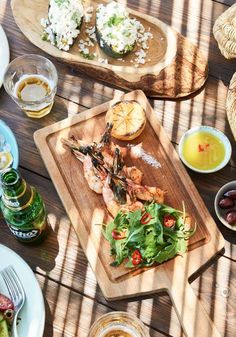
pixel 118 323
pixel 31 81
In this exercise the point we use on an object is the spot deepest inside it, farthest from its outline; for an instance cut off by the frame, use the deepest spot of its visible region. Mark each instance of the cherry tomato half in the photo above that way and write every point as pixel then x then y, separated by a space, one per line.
pixel 118 235
pixel 136 257
pixel 145 218
pixel 169 220
pixel 5 303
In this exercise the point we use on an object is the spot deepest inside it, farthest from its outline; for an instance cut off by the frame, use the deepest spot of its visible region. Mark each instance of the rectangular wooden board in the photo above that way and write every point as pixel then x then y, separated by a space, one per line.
pixel 87 210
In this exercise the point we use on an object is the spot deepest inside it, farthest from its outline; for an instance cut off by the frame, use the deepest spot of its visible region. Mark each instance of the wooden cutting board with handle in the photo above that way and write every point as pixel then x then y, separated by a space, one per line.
pixel 87 212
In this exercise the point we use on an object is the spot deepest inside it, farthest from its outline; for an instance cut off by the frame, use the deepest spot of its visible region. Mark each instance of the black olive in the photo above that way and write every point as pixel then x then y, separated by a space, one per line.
pixel 230 194
pixel 226 203
pixel 231 217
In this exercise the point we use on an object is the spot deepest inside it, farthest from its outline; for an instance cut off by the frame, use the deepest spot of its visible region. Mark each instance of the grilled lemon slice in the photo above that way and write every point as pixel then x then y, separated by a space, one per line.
pixel 128 119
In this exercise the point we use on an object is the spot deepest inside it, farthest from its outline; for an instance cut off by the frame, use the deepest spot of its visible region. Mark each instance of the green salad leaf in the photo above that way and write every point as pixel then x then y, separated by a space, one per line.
pixel 146 238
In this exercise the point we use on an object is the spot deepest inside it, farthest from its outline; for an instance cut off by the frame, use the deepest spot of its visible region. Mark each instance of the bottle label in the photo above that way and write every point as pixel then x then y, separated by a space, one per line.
pixel 25 234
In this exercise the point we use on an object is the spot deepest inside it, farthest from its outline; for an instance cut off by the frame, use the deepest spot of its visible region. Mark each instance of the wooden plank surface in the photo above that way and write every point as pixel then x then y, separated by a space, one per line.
pixel 60 257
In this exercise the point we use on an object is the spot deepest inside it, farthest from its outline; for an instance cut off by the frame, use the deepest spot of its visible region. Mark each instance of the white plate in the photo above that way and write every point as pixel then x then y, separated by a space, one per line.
pixel 33 313
pixel 4 54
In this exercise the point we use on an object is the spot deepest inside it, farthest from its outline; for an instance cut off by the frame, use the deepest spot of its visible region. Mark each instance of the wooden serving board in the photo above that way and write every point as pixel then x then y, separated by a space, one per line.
pixel 176 68
pixel 87 210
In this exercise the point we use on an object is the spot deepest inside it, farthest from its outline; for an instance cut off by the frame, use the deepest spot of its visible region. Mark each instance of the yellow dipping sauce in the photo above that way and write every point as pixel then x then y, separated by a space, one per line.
pixel 203 151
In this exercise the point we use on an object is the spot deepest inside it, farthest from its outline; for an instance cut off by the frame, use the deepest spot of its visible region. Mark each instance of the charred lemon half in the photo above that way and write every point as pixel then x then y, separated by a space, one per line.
pixel 128 119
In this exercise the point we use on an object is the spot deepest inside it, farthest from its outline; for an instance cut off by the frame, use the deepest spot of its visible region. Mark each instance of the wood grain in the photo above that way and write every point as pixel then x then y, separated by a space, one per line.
pixel 179 73
pixel 71 313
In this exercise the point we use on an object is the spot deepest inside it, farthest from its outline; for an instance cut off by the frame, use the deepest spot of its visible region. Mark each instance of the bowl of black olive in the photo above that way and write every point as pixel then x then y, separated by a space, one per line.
pixel 225 205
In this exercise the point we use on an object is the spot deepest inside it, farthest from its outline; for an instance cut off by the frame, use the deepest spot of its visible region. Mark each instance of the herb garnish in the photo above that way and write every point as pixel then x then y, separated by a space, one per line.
pixel 152 242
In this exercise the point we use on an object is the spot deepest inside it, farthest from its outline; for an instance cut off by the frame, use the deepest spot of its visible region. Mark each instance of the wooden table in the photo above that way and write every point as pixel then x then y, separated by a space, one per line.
pixel 73 299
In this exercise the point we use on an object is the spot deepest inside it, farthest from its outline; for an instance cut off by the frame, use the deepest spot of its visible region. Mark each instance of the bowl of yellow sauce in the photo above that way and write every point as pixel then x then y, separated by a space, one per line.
pixel 205 149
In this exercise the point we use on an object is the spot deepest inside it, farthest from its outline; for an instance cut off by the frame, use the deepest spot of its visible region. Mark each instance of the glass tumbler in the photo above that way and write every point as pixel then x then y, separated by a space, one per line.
pixel 118 324
pixel 31 81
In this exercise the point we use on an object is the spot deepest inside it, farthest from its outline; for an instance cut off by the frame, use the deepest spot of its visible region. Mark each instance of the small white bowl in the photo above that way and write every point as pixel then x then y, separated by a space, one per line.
pixel 217 133
pixel 221 213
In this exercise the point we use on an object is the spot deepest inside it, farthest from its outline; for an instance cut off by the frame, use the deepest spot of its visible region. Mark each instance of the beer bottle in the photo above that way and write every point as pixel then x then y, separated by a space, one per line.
pixel 22 207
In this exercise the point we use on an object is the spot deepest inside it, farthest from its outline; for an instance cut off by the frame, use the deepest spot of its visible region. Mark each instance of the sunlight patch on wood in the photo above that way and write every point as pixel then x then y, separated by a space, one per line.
pixel 96 227
pixel 133 307
pixel 72 108
pixel 175 22
pixel 62 301
pixel 194 10
pixel 3 8
pixel 221 95
pixel 86 312
pixel 60 148
pixel 90 287
pixel 222 282
pixel 146 310
pixel 52 220
pixel 68 260
pixel 174 329
pixel 63 245
pixel 205 32
pixel 168 121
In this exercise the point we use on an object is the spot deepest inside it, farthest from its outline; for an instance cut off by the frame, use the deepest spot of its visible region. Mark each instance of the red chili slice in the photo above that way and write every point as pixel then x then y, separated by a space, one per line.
pixel 136 257
pixel 118 235
pixel 145 218
pixel 5 303
pixel 200 148
pixel 169 220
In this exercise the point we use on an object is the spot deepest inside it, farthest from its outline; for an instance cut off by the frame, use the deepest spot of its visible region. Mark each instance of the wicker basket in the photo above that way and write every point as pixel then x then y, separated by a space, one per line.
pixel 231 105
pixel 224 31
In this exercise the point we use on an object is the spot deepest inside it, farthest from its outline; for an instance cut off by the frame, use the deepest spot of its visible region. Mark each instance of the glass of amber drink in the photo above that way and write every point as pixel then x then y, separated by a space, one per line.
pixel 31 81
pixel 118 324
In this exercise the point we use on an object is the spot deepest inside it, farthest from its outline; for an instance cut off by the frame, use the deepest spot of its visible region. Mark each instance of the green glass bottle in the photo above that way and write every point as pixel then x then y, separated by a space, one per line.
pixel 22 207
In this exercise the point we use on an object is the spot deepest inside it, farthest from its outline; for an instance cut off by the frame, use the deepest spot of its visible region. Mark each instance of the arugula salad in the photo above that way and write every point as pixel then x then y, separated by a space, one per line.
pixel 144 238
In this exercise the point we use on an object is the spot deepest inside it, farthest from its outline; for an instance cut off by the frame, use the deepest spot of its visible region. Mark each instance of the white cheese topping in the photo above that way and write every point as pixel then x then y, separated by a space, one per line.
pixel 63 22
pixel 88 14
pixel 116 28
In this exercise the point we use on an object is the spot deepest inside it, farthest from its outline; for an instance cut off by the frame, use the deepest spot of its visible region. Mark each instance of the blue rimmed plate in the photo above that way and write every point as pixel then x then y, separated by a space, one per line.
pixel 4 54
pixel 8 143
